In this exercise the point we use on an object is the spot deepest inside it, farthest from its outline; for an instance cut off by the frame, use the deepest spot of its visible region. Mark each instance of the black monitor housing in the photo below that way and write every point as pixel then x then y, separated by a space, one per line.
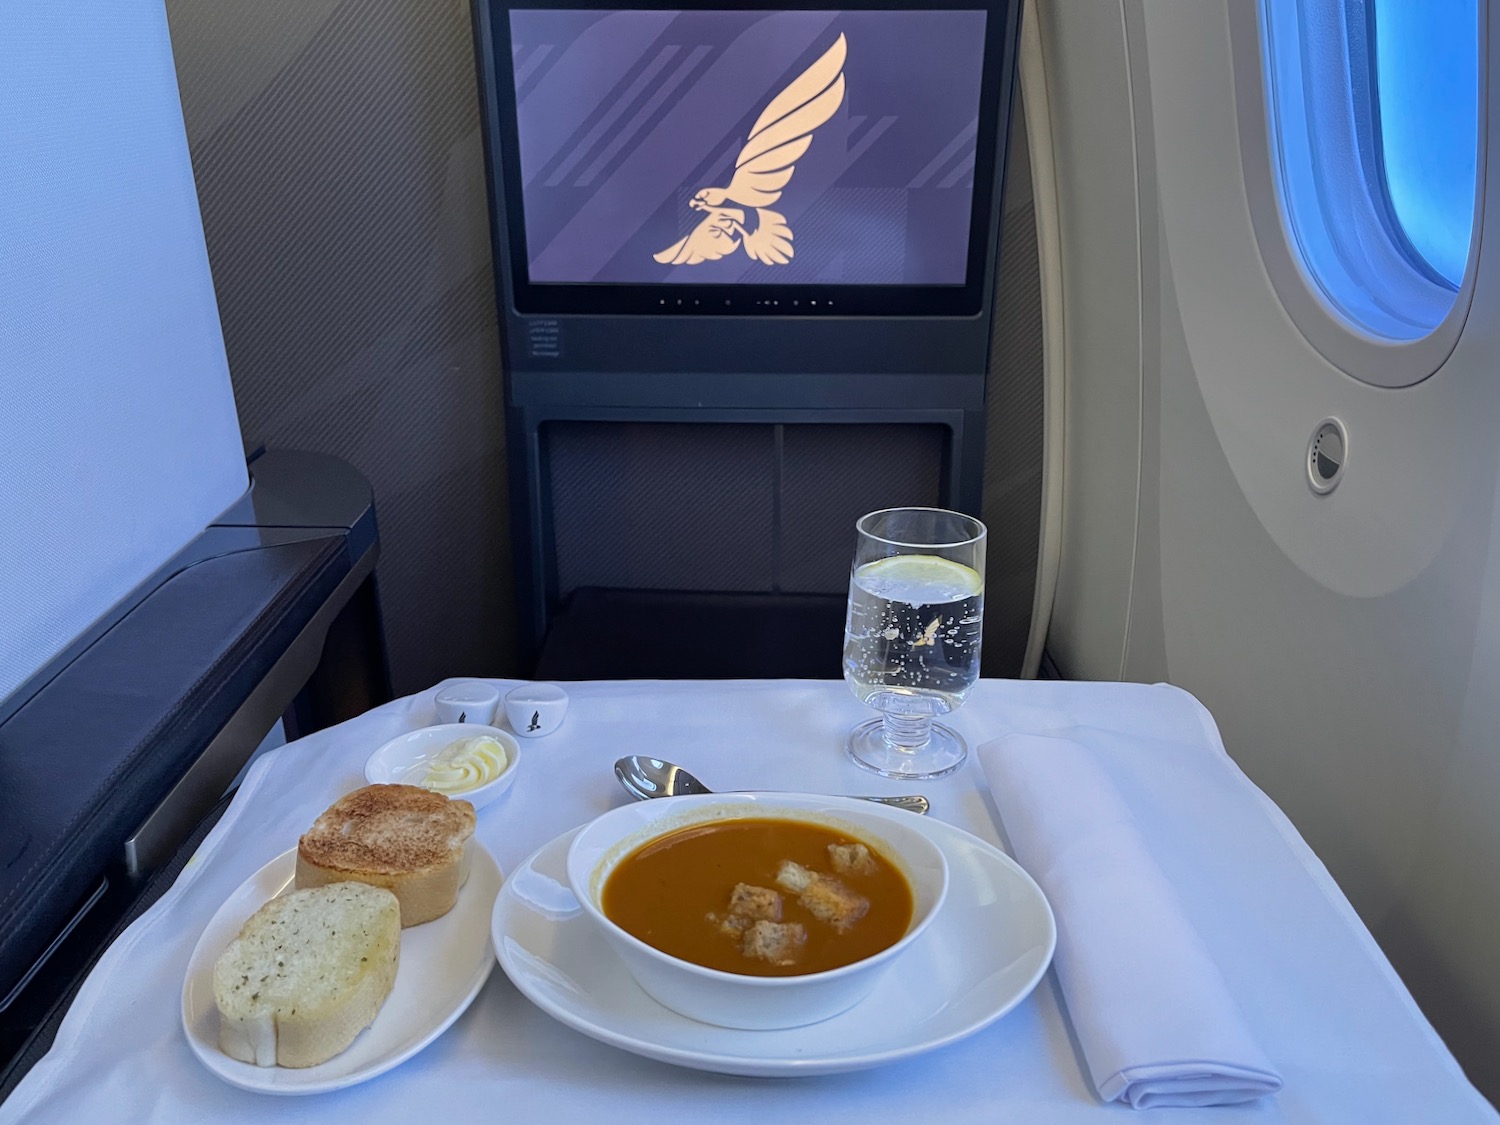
pixel 747 212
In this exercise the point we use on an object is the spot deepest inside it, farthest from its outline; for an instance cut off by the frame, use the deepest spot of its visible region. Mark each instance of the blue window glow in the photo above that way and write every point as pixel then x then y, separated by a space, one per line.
pixel 1374 122
pixel 1427 78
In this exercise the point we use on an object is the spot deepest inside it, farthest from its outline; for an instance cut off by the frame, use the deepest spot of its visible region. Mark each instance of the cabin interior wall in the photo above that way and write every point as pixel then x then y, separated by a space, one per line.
pixel 338 158
pixel 1347 645
pixel 339 166
pixel 1085 71
pixel 1012 503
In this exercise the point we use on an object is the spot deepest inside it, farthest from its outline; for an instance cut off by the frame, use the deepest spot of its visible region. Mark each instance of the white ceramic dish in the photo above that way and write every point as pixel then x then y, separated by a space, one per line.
pixel 472 701
pixel 535 710
pixel 404 759
pixel 444 963
pixel 982 955
pixel 738 999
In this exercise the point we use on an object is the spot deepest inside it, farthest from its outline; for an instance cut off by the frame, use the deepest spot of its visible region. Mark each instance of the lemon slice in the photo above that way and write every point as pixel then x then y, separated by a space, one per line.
pixel 919 579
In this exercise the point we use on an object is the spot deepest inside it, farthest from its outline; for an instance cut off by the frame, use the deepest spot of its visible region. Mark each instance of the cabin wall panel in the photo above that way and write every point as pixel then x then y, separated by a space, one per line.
pixel 1094 153
pixel 1348 645
pixel 338 159
pixel 1459 864
pixel 1342 709
pixel 1012 498
pixel 339 166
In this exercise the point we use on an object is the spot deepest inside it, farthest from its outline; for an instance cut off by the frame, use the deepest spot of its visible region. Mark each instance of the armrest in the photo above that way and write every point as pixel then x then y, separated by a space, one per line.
pixel 91 754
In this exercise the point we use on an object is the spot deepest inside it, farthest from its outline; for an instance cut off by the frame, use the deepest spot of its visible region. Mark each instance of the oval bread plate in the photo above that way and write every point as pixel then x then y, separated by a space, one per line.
pixel 983 954
pixel 444 963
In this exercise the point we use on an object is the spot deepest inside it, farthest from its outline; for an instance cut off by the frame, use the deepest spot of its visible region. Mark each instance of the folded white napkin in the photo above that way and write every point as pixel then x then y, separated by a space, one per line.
pixel 1152 1013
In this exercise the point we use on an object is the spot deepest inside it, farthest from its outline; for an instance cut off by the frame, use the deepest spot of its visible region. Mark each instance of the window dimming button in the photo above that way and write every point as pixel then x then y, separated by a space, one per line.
pixel 1327 453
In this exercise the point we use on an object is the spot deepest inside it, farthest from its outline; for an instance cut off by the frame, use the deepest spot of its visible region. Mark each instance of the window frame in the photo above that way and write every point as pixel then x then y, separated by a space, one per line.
pixel 1355 348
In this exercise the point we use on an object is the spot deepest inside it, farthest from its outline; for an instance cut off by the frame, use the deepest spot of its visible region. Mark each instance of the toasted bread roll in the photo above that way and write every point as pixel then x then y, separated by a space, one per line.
pixel 401 837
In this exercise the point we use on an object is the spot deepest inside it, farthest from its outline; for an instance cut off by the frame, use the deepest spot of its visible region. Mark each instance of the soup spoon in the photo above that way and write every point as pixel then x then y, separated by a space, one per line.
pixel 645 777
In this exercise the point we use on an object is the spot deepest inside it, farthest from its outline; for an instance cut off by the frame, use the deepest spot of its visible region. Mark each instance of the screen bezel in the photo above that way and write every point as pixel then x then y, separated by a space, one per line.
pixel 530 298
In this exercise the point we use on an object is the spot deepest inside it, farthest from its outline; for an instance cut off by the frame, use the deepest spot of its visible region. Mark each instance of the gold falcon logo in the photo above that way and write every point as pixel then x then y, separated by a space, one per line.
pixel 765 165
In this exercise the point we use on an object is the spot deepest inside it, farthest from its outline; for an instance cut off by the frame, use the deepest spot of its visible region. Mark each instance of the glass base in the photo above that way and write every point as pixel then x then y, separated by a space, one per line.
pixel 944 752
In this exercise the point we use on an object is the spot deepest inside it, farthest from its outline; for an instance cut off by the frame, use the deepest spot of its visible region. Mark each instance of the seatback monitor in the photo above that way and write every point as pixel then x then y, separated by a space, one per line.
pixel 842 152
pixel 734 147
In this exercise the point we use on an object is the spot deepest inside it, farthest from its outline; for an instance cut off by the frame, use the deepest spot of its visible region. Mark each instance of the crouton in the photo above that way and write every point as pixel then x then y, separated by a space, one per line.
pixel 825 898
pixel 830 901
pixel 794 877
pixel 776 942
pixel 851 859
pixel 755 902
pixel 730 925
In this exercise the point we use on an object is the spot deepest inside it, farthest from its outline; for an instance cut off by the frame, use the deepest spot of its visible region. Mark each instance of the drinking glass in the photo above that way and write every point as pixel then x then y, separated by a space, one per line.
pixel 911 638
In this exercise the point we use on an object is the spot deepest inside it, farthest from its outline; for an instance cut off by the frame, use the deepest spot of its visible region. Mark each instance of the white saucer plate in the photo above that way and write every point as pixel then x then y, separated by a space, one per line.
pixel 444 963
pixel 983 954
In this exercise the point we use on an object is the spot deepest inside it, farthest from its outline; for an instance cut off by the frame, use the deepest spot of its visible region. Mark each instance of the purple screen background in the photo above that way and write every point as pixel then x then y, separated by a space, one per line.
pixel 623 116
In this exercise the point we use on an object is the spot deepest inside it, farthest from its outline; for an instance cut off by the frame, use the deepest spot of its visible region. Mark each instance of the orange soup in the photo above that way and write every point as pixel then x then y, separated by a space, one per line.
pixel 765 897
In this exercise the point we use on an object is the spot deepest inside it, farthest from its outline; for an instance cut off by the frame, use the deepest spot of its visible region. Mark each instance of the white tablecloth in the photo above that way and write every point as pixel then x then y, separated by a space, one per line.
pixel 1318 994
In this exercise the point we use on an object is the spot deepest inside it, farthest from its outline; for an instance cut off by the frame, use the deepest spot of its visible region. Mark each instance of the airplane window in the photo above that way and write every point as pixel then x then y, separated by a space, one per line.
pixel 1374 127
pixel 1427 95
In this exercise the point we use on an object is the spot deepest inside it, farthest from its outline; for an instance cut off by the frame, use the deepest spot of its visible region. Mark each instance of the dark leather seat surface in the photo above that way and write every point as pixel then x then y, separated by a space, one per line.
pixel 88 757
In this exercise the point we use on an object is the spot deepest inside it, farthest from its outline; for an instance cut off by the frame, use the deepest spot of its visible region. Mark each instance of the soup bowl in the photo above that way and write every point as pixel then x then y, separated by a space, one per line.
pixel 740 1000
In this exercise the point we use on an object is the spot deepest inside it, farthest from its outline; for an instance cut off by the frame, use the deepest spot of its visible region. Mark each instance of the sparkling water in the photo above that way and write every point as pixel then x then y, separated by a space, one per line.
pixel 911 640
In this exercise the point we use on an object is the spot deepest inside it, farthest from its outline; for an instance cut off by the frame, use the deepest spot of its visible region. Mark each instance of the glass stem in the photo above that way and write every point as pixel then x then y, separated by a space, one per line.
pixel 908 733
